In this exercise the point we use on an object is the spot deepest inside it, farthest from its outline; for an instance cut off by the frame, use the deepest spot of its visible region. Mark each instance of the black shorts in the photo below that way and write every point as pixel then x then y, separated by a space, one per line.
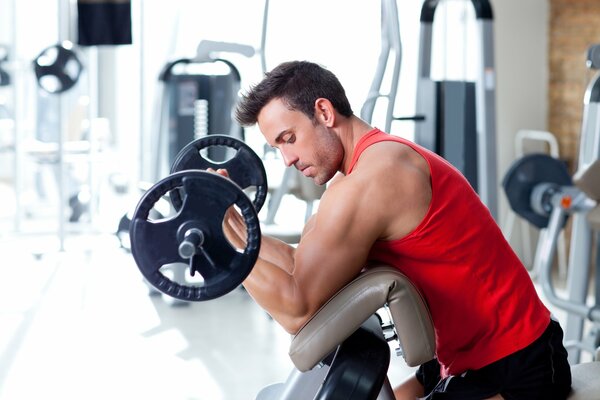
pixel 539 371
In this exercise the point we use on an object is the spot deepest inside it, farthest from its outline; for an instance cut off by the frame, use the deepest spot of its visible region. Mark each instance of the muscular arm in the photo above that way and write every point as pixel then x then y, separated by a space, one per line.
pixel 292 283
pixel 332 251
pixel 282 254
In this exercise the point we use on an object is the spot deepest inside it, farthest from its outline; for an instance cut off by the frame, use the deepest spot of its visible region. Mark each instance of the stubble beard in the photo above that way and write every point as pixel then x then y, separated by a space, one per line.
pixel 328 158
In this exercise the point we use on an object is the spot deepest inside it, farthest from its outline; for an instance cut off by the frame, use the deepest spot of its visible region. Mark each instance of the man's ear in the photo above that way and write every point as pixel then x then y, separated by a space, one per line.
pixel 325 112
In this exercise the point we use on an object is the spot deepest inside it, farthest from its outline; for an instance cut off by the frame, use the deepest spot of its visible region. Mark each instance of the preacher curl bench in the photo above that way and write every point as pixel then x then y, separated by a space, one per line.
pixel 341 352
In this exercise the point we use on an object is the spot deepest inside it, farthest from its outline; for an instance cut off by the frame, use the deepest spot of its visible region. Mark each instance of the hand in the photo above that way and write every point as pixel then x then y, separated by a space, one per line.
pixel 234 226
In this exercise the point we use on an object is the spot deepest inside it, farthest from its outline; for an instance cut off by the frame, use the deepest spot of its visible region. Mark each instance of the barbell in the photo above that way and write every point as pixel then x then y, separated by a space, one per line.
pixel 194 234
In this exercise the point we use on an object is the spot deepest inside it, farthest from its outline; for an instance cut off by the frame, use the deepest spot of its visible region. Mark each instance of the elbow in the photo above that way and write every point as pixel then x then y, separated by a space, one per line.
pixel 296 316
pixel 292 325
pixel 293 322
pixel 294 308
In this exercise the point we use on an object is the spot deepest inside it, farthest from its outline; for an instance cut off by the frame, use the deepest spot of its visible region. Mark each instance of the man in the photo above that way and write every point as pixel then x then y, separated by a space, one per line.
pixel 395 202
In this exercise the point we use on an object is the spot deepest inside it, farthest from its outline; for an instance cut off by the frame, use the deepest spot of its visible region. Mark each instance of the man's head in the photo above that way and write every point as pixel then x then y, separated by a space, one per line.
pixel 298 107
pixel 298 84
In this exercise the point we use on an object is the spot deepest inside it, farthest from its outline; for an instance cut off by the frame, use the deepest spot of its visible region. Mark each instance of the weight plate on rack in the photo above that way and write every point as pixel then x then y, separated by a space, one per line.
pixel 527 172
pixel 57 68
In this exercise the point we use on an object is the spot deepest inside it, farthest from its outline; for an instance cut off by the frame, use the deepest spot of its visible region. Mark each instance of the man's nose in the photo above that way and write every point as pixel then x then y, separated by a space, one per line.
pixel 289 158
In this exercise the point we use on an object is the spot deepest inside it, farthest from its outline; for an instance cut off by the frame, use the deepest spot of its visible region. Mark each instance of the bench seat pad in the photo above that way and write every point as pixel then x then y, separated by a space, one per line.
pixel 347 310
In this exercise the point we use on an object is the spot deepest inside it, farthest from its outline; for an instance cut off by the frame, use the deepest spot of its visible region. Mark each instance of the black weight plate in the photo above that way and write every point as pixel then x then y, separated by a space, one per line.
pixel 245 168
pixel 524 174
pixel 57 68
pixel 206 198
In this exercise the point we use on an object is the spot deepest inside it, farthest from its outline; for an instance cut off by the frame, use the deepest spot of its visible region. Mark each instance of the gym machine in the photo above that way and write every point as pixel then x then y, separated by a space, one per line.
pixel 540 189
pixel 342 352
pixel 390 43
pixel 330 363
pixel 458 118
pixel 197 99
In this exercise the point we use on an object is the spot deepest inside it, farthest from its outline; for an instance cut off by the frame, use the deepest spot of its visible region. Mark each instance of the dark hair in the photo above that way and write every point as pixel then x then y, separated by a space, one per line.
pixel 298 84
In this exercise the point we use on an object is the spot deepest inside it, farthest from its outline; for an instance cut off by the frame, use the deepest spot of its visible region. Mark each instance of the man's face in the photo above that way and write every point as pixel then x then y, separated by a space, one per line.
pixel 312 149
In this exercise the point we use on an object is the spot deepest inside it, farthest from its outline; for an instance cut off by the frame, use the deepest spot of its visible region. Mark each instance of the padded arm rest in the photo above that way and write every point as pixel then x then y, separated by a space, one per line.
pixel 346 311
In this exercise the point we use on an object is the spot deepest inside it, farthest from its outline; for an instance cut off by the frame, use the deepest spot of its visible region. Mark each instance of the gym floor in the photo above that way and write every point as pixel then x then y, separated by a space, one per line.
pixel 80 324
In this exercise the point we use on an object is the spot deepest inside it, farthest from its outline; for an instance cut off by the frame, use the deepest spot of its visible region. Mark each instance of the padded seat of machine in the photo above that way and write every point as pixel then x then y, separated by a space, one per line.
pixel 586 381
pixel 348 309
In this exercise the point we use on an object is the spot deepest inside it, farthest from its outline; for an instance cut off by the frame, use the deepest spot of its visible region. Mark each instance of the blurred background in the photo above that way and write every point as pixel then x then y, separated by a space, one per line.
pixel 94 106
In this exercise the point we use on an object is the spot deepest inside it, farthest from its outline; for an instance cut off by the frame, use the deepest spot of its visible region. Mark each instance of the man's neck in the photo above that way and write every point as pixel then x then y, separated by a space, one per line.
pixel 350 134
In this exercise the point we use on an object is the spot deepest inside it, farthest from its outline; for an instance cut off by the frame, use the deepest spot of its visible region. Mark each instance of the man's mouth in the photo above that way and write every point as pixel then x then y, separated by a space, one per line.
pixel 301 167
pixel 305 171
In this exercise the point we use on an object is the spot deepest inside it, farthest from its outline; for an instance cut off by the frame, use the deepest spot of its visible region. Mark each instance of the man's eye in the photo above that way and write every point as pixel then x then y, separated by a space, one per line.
pixel 290 139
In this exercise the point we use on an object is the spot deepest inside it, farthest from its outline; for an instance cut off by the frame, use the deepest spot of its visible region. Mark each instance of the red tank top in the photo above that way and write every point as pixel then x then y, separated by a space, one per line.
pixel 482 301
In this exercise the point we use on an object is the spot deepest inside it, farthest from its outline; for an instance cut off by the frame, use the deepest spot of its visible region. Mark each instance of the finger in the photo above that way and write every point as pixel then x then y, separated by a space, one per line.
pixel 234 238
pixel 220 171
pixel 236 234
pixel 236 222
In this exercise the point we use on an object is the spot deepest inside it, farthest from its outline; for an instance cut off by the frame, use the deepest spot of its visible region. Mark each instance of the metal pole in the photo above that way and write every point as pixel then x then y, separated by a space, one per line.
pixel 63 35
pixel 426 90
pixel 145 149
pixel 263 37
pixel 16 119
pixel 390 40
pixel 486 119
pixel 393 29
pixel 368 108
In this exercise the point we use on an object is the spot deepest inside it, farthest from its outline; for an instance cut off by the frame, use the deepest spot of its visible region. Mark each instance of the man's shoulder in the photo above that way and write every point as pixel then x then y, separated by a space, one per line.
pixel 382 159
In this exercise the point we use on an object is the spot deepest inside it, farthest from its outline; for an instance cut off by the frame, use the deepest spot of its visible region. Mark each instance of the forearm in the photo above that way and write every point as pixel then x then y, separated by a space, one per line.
pixel 278 253
pixel 271 282
pixel 275 290
pixel 278 281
